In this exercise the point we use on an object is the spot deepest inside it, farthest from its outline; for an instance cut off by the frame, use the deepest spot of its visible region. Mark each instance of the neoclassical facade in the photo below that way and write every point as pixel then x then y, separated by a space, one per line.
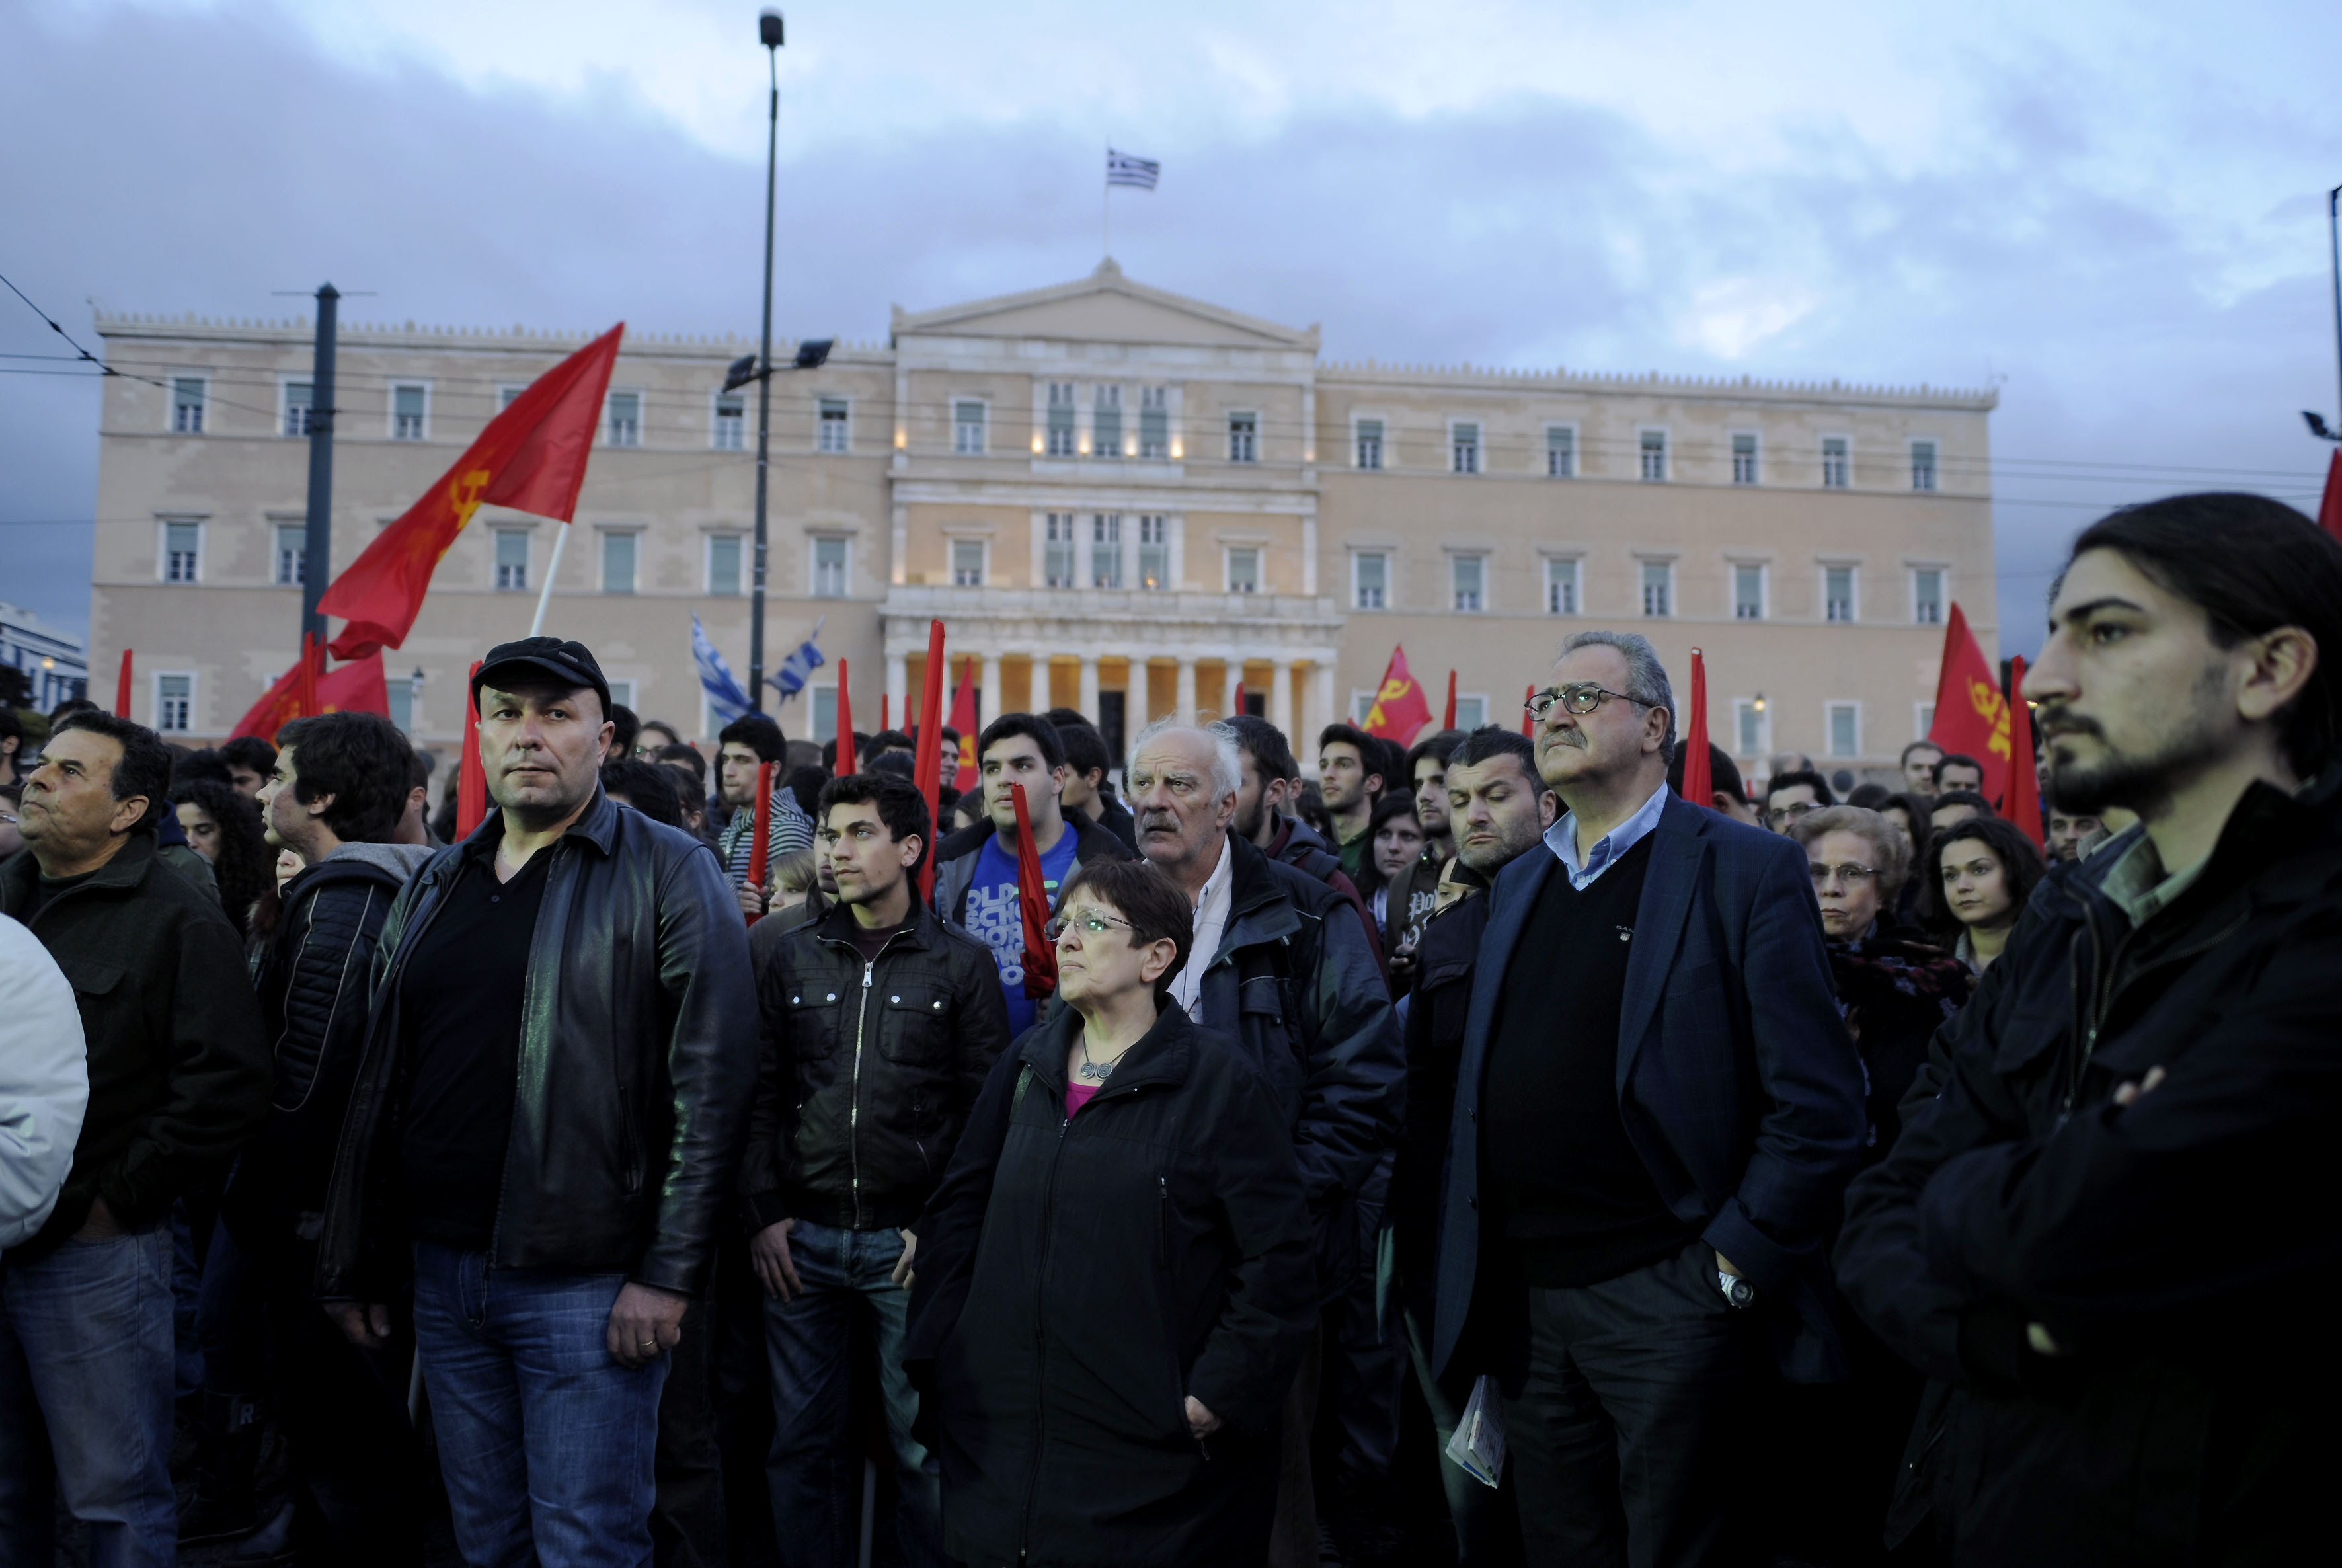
pixel 1116 498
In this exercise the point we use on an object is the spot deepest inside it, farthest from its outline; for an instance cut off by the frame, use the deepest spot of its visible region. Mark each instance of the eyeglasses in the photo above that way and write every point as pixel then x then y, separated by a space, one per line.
pixel 1578 699
pixel 1851 874
pixel 1792 811
pixel 1090 920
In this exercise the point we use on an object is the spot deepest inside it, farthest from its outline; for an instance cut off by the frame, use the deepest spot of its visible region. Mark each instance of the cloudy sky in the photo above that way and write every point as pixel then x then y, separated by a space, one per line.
pixel 2117 213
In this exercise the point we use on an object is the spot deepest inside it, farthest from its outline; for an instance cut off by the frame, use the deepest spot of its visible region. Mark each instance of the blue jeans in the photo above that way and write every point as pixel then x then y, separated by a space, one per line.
pixel 86 1381
pixel 808 1342
pixel 547 1443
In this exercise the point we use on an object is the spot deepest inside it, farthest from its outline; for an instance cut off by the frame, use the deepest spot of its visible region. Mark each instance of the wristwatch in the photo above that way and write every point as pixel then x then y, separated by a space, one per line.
pixel 1738 1292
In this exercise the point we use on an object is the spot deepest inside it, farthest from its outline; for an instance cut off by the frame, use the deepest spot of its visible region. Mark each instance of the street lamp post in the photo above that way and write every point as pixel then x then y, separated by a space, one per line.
pixel 768 33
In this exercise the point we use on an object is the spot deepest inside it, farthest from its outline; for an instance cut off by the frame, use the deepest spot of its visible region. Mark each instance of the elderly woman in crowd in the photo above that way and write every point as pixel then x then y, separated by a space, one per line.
pixel 1985 870
pixel 1114 1283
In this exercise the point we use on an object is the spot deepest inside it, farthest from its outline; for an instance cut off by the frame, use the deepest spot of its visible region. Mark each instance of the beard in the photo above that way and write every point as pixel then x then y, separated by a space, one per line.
pixel 2139 778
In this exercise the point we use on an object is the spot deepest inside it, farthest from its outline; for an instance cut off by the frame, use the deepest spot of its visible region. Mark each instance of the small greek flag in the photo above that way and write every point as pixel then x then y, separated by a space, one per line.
pixel 1124 169
pixel 790 678
pixel 726 700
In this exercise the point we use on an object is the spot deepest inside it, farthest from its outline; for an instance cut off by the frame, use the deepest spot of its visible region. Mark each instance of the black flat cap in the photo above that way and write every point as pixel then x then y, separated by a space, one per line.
pixel 571 664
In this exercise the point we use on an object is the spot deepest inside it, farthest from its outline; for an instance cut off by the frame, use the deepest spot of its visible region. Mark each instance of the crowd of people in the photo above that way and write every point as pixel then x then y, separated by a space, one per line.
pixel 1176 1168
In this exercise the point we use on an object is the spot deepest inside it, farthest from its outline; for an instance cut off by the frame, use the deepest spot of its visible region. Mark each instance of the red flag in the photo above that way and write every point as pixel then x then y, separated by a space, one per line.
pixel 2330 510
pixel 471 773
pixel 531 457
pixel 2023 805
pixel 763 828
pixel 884 699
pixel 1529 695
pixel 1399 707
pixel 1971 715
pixel 1699 784
pixel 355 688
pixel 122 688
pixel 305 685
pixel 928 768
pixel 963 719
pixel 1237 705
pixel 846 722
pixel 1447 720
pixel 1033 903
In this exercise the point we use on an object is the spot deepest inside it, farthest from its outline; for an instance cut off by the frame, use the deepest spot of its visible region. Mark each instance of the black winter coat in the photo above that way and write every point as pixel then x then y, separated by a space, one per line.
pixel 865 1072
pixel 1443 958
pixel 1078 1279
pixel 637 1058
pixel 2183 1252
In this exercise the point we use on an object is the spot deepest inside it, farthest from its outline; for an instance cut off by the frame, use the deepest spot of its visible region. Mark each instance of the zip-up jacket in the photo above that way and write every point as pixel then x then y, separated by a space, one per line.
pixel 866 1070
pixel 1079 1278
pixel 1300 846
pixel 637 1057
pixel 2183 1252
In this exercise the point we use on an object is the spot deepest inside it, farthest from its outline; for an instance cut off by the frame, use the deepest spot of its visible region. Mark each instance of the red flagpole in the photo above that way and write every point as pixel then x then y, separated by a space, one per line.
pixel 122 688
pixel 1447 720
pixel 844 722
pixel 884 700
pixel 929 769
pixel 1698 780
pixel 2022 802
pixel 763 829
pixel 471 776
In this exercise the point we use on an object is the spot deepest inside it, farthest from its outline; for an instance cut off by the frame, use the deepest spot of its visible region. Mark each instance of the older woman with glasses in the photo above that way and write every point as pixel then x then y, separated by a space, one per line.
pixel 1115 1280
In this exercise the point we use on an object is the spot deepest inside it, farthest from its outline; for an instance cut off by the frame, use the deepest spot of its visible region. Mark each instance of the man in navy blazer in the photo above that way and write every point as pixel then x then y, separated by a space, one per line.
pixel 1656 1112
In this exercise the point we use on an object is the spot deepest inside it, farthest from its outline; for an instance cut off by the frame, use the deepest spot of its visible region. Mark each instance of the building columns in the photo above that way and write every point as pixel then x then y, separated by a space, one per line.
pixel 987 688
pixel 898 691
pixel 1184 704
pixel 1231 677
pixel 1320 709
pixel 1280 697
pixel 1089 695
pixel 1039 693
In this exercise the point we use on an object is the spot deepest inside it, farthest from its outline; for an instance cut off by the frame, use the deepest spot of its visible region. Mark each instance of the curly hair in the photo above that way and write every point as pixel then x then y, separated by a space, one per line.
pixel 246 866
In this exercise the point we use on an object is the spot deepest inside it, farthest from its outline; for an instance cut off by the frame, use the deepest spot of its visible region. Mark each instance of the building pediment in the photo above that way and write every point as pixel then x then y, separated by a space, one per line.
pixel 1104 308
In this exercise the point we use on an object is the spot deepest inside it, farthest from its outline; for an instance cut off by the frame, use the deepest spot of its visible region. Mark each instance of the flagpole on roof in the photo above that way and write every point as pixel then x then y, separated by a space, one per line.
pixel 1105 207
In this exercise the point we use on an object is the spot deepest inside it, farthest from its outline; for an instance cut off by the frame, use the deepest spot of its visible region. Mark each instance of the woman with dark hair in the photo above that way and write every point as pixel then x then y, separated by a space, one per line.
pixel 223 826
pixel 1114 1283
pixel 1907 814
pixel 1985 870
pixel 1395 841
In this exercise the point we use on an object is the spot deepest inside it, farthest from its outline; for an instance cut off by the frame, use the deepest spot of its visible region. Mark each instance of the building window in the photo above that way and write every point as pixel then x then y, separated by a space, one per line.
pixel 1659 586
pixel 1927 596
pixel 1560 452
pixel 1105 550
pixel 1154 551
pixel 407 405
pixel 1154 423
pixel 1845 729
pixel 291 546
pixel 621 694
pixel 731 422
pixel 724 565
pixel 968 428
pixel 825 714
pixel 182 551
pixel 512 560
pixel 618 562
pixel 1243 570
pixel 1748 592
pixel 1061 419
pixel 300 408
pixel 1923 465
pixel 1744 460
pixel 1923 719
pixel 1471 712
pixel 1464 448
pixel 967 563
pixel 829 568
pixel 400 690
pixel 187 406
pixel 508 396
pixel 1468 579
pixel 1834 463
pixel 1371 571
pixel 835 426
pixel 1106 422
pixel 1370 443
pixel 174 703
pixel 626 419
pixel 1838 593
pixel 1561 595
pixel 1654 455
pixel 1057 551
pixel 1751 728
pixel 1243 437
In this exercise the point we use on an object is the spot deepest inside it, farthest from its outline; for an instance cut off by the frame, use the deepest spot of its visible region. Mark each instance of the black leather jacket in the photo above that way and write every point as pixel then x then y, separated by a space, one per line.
pixel 867 1070
pixel 637 1054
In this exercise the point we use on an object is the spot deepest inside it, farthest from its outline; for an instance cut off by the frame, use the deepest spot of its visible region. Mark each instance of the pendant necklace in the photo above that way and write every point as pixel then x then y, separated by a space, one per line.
pixel 1095 1070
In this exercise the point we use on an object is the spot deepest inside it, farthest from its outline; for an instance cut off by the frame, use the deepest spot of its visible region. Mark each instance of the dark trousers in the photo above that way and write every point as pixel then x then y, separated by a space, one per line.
pixel 687 1519
pixel 1626 1432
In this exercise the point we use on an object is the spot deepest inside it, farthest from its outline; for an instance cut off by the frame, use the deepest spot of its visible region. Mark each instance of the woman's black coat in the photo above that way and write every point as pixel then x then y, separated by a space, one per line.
pixel 1078 1279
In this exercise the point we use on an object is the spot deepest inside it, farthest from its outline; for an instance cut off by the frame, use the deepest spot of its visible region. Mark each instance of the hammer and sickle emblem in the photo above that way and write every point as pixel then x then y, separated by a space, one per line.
pixel 464 495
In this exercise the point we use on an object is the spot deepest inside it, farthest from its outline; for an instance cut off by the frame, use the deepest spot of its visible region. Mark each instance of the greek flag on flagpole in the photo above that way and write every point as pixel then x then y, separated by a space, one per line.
pixel 790 678
pixel 726 700
pixel 1125 169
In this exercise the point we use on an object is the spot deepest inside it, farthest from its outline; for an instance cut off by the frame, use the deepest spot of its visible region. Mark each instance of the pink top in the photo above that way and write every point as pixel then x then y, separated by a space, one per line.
pixel 1079 1095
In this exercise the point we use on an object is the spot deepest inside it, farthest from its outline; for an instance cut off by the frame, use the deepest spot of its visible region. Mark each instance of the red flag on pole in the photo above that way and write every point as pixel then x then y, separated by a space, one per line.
pixel 122 688
pixel 531 457
pixel 1971 715
pixel 1033 903
pixel 763 829
pixel 2023 805
pixel 1447 719
pixel 1399 708
pixel 1236 705
pixel 355 688
pixel 305 685
pixel 1698 785
pixel 963 719
pixel 471 774
pixel 884 699
pixel 846 722
pixel 1529 695
pixel 2330 510
pixel 927 769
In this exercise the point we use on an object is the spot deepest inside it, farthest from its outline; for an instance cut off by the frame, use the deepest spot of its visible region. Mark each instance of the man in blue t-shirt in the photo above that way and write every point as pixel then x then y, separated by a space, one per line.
pixel 975 868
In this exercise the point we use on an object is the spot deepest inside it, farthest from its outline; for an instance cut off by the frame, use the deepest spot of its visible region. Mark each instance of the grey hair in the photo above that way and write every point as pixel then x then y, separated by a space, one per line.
pixel 1227 767
pixel 1646 678
pixel 1887 846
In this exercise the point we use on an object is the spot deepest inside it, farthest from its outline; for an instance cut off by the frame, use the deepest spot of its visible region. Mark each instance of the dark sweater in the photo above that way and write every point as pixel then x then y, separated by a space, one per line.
pixel 1577 1204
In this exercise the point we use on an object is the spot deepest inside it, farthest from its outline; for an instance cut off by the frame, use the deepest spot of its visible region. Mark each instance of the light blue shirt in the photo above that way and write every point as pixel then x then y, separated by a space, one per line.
pixel 1562 839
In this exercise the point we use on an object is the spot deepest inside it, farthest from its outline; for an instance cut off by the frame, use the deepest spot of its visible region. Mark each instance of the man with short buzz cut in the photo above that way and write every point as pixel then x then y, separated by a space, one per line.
pixel 546 1116
pixel 1349 780
pixel 976 872
pixel 744 744
pixel 1917 765
pixel 1415 891
pixel 179 1081
pixel 251 762
pixel 1956 806
pixel 1657 1109
pixel 2107 1231
pixel 879 1024
pixel 1957 772
pixel 1086 789
pixel 1271 781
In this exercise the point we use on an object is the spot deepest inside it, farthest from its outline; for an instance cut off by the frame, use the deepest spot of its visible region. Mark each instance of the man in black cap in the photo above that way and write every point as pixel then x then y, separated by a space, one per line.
pixel 549 1107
